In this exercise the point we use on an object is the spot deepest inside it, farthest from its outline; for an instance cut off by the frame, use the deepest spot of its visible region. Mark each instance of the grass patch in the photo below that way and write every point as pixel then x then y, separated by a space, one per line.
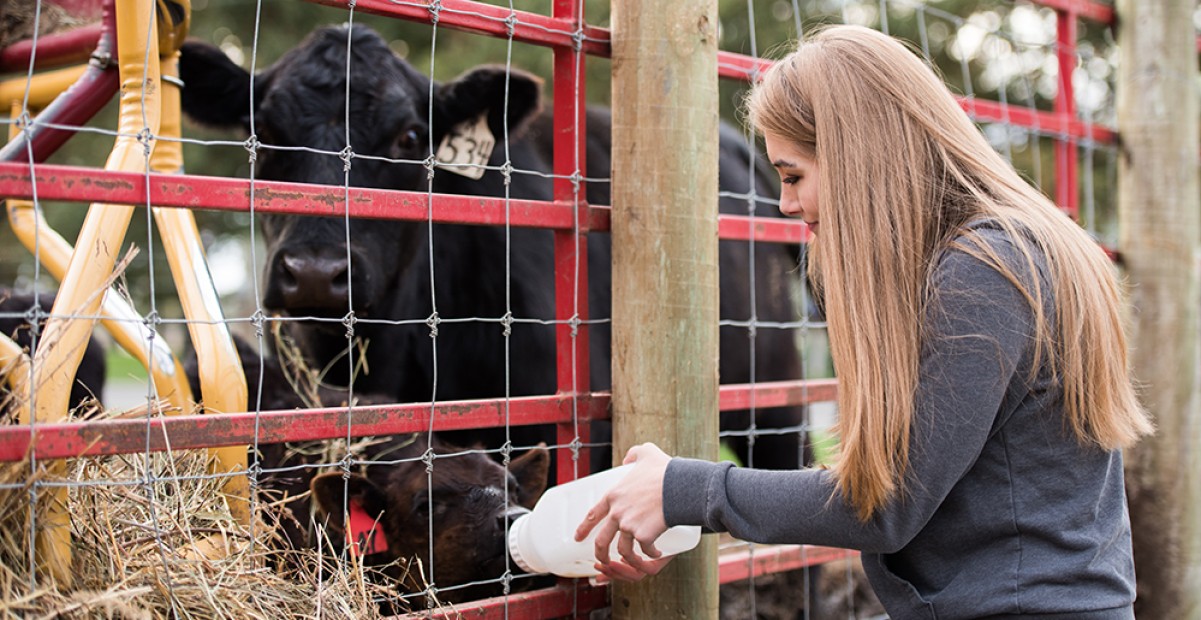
pixel 121 366
pixel 825 444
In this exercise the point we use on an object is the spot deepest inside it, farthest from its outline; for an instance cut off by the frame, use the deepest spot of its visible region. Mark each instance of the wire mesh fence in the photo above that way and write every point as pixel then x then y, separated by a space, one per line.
pixel 415 265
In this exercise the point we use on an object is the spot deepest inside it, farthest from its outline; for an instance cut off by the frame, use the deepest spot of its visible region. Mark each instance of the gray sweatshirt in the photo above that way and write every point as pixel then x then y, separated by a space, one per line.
pixel 1004 514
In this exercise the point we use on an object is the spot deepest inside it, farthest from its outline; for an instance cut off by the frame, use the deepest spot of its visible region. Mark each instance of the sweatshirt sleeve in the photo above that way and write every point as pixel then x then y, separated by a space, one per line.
pixel 978 326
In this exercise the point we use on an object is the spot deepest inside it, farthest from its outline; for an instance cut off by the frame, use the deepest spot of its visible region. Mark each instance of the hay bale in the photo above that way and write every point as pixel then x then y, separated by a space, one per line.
pixel 141 526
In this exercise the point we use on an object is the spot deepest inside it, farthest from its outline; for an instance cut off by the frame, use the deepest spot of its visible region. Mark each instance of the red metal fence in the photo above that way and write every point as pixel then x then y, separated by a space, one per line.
pixel 568 215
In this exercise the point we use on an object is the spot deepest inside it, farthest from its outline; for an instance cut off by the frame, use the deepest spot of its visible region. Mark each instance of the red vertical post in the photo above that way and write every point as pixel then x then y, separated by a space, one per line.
pixel 1065 109
pixel 571 247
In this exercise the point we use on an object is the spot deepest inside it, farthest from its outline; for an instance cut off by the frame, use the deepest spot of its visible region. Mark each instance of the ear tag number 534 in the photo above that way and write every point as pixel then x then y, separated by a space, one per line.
pixel 465 149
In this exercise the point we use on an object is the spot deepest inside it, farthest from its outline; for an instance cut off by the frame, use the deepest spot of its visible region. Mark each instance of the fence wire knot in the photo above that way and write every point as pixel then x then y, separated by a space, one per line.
pixel 505 580
pixel 506 452
pixel 24 121
pixel 435 9
pixel 152 320
pixel 252 145
pixel 429 163
pixel 259 320
pixel 506 170
pixel 575 323
pixel 507 322
pixel 432 322
pixel 252 474
pixel 349 320
pixel 577 40
pixel 428 459
pixel 346 463
pixel 346 155
pixel 146 139
pixel 511 25
pixel 33 318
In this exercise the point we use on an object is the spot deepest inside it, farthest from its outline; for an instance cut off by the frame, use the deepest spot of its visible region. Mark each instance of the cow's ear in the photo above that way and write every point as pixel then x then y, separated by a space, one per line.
pixel 531 470
pixel 216 91
pixel 331 492
pixel 482 90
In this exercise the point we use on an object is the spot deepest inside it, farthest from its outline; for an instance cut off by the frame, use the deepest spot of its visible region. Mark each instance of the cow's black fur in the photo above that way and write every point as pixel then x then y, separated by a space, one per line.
pixel 300 101
pixel 14 323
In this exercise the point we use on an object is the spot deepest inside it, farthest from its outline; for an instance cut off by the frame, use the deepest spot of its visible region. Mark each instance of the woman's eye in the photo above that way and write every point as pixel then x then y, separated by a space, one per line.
pixel 790 180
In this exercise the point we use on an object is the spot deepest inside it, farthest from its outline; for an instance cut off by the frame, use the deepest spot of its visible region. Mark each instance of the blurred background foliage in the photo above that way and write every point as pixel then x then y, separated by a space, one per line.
pixel 994 49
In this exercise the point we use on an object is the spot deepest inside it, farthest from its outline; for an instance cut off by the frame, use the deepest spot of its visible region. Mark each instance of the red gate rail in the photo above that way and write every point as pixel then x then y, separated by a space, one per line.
pixel 489 20
pixel 78 184
pixel 768 559
pixel 133 436
pixel 577 597
pixel 562 601
pixel 185 432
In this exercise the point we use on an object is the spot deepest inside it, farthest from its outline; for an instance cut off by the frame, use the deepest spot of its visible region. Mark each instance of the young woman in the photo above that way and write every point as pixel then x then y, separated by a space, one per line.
pixel 977 337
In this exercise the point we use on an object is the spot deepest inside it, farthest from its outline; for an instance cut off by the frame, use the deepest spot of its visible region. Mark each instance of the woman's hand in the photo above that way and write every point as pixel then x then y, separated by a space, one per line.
pixel 631 511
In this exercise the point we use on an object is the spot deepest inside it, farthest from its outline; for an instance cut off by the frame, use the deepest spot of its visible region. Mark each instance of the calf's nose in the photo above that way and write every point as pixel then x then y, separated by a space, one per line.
pixel 511 514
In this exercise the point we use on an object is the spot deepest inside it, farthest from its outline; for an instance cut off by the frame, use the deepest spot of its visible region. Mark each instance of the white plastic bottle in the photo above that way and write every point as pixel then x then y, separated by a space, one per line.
pixel 543 541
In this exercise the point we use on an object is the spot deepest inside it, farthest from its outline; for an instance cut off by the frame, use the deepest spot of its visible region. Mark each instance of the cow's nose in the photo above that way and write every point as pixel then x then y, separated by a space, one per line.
pixel 312 281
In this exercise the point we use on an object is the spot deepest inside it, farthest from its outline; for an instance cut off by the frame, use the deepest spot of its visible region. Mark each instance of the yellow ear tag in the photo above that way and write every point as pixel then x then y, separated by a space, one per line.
pixel 363 533
pixel 465 149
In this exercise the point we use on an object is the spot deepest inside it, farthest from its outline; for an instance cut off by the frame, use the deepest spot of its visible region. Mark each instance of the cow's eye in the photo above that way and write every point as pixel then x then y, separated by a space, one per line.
pixel 421 504
pixel 408 141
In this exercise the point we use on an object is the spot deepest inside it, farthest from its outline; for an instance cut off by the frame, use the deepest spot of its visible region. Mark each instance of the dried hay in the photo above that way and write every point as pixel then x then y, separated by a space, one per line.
pixel 307 382
pixel 152 536
pixel 141 524
pixel 18 19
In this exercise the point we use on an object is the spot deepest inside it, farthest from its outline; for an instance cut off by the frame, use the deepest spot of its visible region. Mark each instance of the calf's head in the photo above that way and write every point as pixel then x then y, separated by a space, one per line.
pixel 466 501
pixel 342 108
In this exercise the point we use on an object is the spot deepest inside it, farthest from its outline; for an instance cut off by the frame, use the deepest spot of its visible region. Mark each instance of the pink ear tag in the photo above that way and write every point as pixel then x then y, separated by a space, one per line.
pixel 364 535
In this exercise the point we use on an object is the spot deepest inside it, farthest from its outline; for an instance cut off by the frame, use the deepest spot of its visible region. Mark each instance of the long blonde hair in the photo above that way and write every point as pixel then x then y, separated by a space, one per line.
pixel 902 170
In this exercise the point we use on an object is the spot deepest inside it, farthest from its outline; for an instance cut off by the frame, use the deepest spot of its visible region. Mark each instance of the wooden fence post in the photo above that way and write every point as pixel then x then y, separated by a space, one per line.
pixel 1159 202
pixel 665 278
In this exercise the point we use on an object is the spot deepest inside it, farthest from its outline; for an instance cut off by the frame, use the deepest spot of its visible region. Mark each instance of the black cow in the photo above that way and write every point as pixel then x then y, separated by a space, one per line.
pixel 470 499
pixel 15 312
pixel 386 276
pixel 392 272
pixel 473 496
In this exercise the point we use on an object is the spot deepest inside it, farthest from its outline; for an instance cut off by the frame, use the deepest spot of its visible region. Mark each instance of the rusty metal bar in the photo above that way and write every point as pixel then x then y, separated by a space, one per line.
pixel 561 601
pixel 768 559
pixel 76 184
pixel 571 244
pixel 1067 193
pixel 125 436
pixel 475 17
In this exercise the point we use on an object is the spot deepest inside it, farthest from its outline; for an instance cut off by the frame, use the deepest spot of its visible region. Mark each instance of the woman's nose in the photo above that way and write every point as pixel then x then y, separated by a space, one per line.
pixel 790 207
